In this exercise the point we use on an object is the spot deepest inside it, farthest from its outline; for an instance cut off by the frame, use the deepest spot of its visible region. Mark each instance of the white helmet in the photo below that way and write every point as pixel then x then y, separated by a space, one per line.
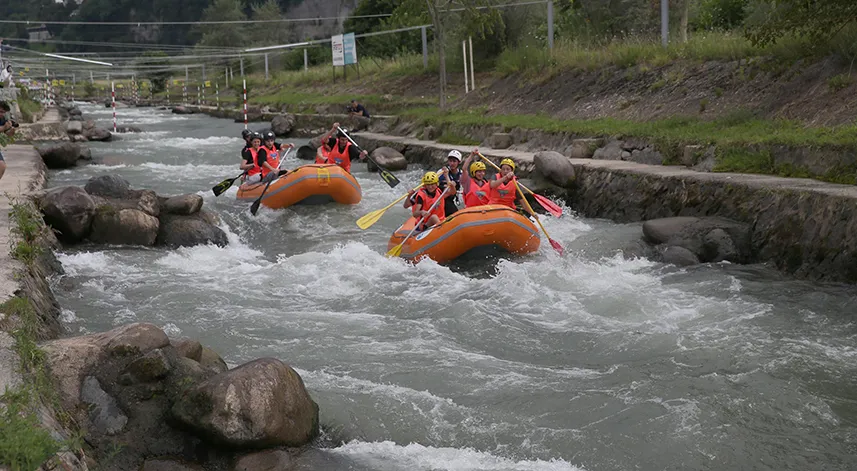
pixel 455 154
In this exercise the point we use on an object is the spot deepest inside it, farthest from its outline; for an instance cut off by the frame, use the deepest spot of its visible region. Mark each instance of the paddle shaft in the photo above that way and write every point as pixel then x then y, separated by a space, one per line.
pixel 538 198
pixel 255 206
pixel 381 170
pixel 373 217
pixel 420 223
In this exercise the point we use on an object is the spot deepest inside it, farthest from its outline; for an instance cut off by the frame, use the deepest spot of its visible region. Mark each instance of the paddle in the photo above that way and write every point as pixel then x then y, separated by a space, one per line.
pixel 549 205
pixel 255 206
pixel 371 218
pixel 221 187
pixel 553 243
pixel 388 177
pixel 397 250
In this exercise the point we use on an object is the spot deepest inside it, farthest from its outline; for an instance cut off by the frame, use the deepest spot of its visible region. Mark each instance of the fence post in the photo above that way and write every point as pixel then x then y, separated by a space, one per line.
pixel 464 53
pixel 266 67
pixel 113 97
pixel 472 77
pixel 306 60
pixel 425 47
pixel 550 24
pixel 665 22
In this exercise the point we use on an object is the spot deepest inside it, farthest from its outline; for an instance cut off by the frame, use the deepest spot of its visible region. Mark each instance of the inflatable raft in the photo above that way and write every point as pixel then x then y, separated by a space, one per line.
pixel 308 184
pixel 467 229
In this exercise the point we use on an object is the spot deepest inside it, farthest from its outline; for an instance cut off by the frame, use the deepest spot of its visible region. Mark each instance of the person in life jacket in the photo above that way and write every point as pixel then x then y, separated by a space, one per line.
pixel 504 189
pixel 452 174
pixel 322 155
pixel 424 199
pixel 245 155
pixel 344 152
pixel 474 186
pixel 258 162
pixel 272 149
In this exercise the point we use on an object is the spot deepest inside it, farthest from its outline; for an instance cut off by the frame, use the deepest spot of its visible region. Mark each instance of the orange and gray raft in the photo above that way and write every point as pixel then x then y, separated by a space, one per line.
pixel 485 226
pixel 308 184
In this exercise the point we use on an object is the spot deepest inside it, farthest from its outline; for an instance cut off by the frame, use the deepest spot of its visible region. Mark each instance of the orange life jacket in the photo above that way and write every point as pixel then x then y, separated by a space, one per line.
pixel 256 168
pixel 428 201
pixel 325 158
pixel 504 194
pixel 342 159
pixel 273 160
pixel 477 195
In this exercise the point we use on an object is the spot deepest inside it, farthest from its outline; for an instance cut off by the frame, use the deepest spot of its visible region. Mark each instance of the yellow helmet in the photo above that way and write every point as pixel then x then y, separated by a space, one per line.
pixel 430 178
pixel 508 162
pixel 476 166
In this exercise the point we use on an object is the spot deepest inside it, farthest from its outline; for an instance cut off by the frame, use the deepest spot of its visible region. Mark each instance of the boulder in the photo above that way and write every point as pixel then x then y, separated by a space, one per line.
pixel 188 231
pixel 500 140
pixel 85 153
pixel 75 112
pixel 679 256
pixel 262 403
pixel 282 124
pixel 110 186
pixel 188 348
pixel 210 360
pixel 268 460
pixel 97 134
pixel 555 167
pixel 126 128
pixel 169 465
pixel 709 239
pixel 612 151
pixel 74 127
pixel 146 201
pixel 64 155
pixel 123 227
pixel 76 118
pixel 152 366
pixel 307 152
pixel 183 204
pixel 388 158
pixel 104 413
pixel 584 148
pixel 69 211
pixel 182 110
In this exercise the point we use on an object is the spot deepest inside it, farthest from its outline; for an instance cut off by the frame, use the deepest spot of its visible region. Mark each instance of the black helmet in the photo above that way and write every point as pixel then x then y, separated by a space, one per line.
pixel 341 132
pixel 246 133
pixel 256 135
pixel 270 136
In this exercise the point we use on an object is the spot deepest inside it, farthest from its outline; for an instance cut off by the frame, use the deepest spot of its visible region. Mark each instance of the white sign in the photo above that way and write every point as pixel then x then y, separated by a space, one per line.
pixel 344 49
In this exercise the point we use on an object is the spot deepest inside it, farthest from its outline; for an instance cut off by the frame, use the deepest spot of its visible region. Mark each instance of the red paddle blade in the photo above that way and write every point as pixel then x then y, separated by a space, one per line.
pixel 557 247
pixel 549 205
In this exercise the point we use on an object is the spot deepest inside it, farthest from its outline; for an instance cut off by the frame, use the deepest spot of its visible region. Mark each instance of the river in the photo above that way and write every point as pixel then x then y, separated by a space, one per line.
pixel 589 362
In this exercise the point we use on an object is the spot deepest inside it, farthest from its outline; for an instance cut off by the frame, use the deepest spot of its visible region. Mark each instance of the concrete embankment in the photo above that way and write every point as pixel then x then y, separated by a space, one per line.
pixel 804 227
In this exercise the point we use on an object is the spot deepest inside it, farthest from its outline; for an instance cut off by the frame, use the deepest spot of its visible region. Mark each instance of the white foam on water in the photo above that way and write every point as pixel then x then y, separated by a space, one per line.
pixel 388 455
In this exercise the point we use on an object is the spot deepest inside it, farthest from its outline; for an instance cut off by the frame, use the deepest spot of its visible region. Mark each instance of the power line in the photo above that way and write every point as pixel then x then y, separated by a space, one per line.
pixel 161 23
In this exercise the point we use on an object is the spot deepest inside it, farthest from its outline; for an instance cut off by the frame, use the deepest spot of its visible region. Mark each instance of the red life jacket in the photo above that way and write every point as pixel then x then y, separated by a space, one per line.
pixel 504 194
pixel 256 169
pixel 428 201
pixel 342 159
pixel 273 160
pixel 477 195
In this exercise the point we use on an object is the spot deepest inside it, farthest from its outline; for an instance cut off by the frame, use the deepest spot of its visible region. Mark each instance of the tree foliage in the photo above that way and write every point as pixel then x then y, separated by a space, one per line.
pixel 223 35
pixel 818 20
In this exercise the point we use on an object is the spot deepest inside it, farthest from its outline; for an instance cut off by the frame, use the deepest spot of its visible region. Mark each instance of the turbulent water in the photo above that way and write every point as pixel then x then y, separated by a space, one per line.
pixel 591 361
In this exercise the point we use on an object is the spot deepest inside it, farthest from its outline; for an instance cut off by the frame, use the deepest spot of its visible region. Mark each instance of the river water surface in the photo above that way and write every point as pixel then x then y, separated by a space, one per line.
pixel 588 362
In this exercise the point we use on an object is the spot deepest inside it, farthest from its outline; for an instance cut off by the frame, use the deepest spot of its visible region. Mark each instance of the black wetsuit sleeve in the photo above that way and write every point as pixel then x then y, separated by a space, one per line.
pixel 353 153
pixel 248 157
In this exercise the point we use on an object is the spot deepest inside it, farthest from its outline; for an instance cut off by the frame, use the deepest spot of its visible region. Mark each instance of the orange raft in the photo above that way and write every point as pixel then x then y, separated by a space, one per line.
pixel 467 229
pixel 307 184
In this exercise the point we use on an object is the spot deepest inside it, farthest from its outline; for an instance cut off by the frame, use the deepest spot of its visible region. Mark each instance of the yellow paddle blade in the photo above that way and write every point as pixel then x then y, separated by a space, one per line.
pixel 366 221
pixel 395 251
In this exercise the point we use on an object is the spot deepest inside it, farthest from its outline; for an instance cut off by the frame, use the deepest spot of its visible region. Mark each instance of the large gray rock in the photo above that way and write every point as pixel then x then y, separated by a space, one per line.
pixel 69 211
pixel 709 239
pixel 612 151
pixel 584 148
pixel 61 156
pixel 123 227
pixel 259 404
pixel 188 231
pixel 110 186
pixel 183 204
pixel 268 460
pixel 388 158
pixel 103 410
pixel 282 124
pixel 679 256
pixel 74 127
pixel 500 140
pixel 555 167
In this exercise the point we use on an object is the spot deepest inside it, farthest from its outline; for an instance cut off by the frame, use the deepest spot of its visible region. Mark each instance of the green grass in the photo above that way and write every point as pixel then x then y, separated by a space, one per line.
pixel 24 445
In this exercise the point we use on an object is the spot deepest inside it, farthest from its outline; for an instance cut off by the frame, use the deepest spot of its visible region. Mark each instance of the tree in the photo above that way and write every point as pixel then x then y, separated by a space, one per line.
pixel 818 20
pixel 223 35
pixel 267 34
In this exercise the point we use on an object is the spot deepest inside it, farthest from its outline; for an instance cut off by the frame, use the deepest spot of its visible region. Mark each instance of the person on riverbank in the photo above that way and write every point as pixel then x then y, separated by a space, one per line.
pixel 424 199
pixel 356 109
pixel 504 187
pixel 451 174
pixel 7 127
pixel 342 153
pixel 474 186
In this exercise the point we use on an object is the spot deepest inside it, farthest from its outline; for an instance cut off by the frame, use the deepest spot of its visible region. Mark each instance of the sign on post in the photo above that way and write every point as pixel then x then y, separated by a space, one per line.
pixel 344 48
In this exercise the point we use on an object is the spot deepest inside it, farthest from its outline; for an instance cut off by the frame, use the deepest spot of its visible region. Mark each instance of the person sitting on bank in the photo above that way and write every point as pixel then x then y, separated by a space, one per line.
pixel 343 152
pixel 504 189
pixel 7 127
pixel 425 198
pixel 356 109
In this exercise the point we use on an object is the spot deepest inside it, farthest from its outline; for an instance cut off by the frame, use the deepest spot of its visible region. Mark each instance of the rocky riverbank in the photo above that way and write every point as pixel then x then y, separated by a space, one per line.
pixel 129 398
